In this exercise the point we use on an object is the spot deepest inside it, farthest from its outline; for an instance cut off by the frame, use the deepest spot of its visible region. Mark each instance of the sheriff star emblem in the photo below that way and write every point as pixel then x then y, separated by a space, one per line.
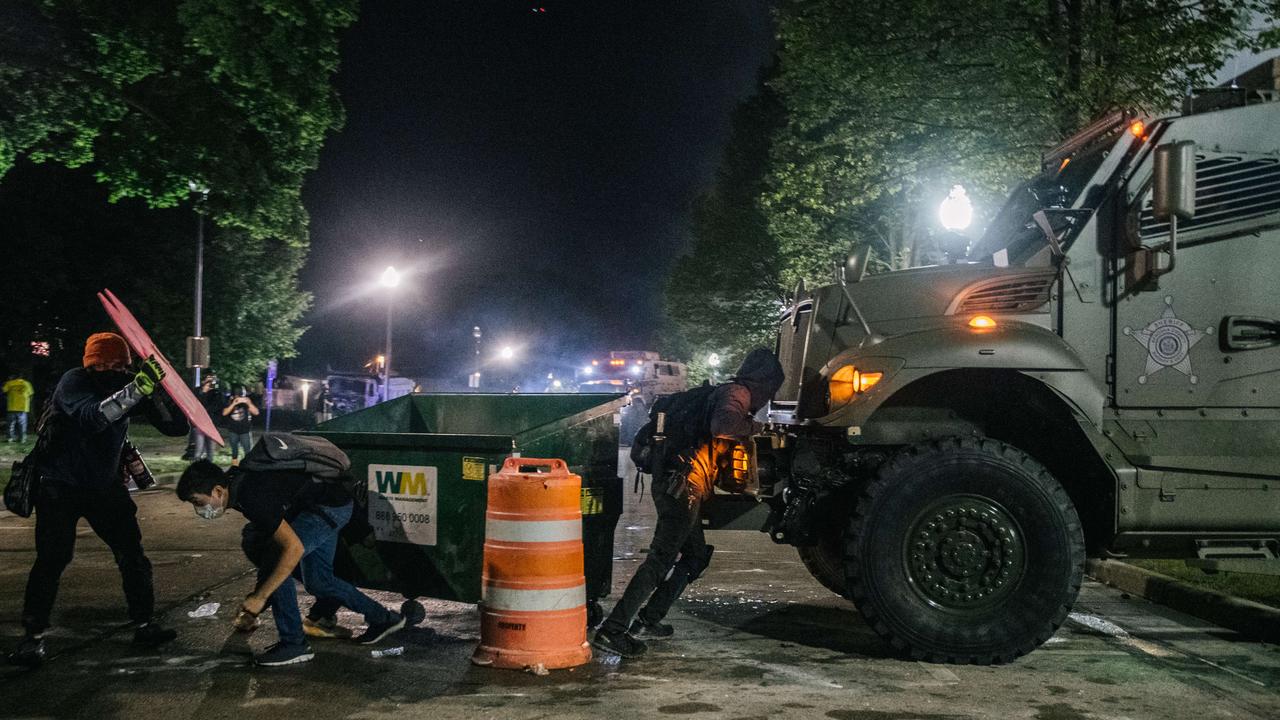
pixel 1168 341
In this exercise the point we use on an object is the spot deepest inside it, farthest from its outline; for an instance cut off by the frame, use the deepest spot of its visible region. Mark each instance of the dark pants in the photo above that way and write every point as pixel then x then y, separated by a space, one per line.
pixel 113 516
pixel 658 580
pixel 239 441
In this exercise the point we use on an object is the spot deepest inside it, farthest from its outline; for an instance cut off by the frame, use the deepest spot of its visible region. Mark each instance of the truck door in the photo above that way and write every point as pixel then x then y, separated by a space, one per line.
pixel 1196 374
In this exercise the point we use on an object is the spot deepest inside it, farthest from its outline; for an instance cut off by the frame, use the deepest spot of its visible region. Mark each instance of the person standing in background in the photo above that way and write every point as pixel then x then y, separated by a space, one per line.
pixel 19 392
pixel 239 414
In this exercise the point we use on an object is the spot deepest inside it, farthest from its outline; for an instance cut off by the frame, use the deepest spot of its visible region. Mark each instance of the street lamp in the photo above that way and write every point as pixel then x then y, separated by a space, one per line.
pixel 956 212
pixel 390 278
pixel 474 381
pixel 508 353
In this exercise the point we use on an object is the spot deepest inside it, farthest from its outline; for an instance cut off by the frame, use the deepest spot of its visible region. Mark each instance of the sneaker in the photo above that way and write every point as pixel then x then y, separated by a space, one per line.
pixel 29 653
pixel 376 633
pixel 152 635
pixel 324 627
pixel 281 654
pixel 618 644
pixel 651 631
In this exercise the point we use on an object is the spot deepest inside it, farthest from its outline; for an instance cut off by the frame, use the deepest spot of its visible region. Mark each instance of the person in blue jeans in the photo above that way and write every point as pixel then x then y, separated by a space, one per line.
pixel 293 524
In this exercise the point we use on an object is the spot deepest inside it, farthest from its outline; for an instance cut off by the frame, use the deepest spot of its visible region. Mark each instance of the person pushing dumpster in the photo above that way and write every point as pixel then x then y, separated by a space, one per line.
pixel 296 493
pixel 687 452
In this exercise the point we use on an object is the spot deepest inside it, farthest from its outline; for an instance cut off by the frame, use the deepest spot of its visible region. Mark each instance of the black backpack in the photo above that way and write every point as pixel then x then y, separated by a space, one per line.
pixel 686 424
pixel 315 456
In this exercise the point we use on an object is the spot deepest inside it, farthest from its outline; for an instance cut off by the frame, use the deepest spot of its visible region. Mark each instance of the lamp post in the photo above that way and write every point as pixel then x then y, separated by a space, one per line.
pixel 713 360
pixel 199 287
pixel 390 278
pixel 474 381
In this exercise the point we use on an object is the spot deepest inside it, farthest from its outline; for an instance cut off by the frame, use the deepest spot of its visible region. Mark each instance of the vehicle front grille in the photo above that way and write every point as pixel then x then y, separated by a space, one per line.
pixel 1023 293
pixel 1229 189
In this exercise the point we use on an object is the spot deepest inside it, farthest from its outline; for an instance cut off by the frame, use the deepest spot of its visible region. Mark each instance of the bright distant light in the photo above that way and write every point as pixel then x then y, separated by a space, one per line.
pixel 390 277
pixel 586 370
pixel 713 360
pixel 508 353
pixel 557 384
pixel 956 212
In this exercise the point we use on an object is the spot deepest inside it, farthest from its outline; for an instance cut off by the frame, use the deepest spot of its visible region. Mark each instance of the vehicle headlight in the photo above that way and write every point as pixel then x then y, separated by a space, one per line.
pixel 847 383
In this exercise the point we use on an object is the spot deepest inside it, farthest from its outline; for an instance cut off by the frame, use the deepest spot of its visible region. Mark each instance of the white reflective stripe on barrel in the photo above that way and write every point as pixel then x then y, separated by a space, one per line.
pixel 532 530
pixel 495 598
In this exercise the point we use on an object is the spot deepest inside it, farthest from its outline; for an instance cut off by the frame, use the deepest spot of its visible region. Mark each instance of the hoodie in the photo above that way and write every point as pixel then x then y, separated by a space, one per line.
pixel 732 407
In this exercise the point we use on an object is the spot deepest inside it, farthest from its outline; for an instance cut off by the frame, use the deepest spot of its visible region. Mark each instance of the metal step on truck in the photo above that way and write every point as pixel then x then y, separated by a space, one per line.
pixel 1102 378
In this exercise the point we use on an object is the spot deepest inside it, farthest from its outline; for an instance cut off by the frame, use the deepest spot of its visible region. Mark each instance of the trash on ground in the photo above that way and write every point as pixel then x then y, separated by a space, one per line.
pixel 205 610
pixel 389 652
pixel 539 669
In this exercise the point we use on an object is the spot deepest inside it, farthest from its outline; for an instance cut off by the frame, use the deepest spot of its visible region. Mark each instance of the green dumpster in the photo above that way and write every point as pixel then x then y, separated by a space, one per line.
pixel 423 462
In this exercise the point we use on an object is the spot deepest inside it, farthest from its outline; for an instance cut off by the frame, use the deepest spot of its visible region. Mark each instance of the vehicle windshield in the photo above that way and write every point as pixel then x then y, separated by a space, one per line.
pixel 1014 229
pixel 344 386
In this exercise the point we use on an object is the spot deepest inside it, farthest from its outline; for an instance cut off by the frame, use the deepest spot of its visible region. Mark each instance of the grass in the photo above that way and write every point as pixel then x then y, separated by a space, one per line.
pixel 1263 589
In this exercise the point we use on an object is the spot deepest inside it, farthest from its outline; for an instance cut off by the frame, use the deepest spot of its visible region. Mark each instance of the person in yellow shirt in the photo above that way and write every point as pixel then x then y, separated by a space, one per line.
pixel 19 392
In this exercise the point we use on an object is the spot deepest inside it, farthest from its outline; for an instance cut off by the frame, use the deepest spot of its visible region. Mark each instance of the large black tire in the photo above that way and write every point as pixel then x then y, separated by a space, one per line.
pixel 825 562
pixel 964 550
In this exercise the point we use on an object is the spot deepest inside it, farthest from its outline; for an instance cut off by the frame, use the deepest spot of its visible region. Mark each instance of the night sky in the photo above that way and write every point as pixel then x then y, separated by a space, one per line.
pixel 534 169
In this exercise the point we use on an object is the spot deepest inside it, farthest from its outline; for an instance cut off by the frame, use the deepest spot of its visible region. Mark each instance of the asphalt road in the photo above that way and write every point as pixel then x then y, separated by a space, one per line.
pixel 756 638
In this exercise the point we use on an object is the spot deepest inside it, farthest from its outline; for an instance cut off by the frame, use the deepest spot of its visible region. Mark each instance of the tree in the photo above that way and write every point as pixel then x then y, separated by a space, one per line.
pixel 163 98
pixel 724 294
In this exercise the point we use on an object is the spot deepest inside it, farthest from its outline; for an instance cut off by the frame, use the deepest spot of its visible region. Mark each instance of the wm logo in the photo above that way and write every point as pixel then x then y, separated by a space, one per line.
pixel 399 482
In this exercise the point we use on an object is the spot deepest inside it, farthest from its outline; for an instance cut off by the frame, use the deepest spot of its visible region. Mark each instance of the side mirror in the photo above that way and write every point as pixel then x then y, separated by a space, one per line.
pixel 855 265
pixel 1174 180
pixel 1173 196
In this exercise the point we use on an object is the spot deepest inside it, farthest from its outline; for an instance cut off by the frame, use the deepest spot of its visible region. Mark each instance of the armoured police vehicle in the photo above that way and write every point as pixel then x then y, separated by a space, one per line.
pixel 1103 379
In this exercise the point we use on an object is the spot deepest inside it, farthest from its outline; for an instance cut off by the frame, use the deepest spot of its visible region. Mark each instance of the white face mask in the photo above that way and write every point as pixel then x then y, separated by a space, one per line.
pixel 209 512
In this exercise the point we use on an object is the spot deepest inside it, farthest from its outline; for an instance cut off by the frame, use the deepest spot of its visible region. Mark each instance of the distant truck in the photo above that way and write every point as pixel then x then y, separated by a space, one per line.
pixel 349 392
pixel 625 371
pixel 1104 380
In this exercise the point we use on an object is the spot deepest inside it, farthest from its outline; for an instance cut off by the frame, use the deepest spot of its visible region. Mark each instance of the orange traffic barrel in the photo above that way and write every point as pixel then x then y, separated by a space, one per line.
pixel 533 607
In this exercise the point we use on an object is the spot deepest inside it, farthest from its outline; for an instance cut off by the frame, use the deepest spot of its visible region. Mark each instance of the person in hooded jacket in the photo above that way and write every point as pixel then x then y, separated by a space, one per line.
pixel 678 553
pixel 80 477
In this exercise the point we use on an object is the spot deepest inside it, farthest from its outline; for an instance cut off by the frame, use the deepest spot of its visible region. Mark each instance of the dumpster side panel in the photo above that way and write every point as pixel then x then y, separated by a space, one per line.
pixel 419 524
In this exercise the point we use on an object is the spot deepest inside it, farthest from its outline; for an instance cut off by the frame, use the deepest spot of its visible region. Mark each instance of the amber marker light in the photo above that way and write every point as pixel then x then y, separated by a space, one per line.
pixel 982 322
pixel 847 382
pixel 1139 129
pixel 866 380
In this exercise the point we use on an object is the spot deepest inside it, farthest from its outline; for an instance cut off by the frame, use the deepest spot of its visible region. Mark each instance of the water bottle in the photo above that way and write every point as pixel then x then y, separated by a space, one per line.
pixel 135 468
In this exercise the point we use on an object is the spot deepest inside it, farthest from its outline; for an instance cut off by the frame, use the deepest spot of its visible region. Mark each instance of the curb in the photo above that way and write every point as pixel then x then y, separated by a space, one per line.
pixel 1251 619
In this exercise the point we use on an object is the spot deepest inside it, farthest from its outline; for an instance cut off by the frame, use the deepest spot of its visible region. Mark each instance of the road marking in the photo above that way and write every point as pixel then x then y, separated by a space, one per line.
pixel 1154 649
pixel 1259 683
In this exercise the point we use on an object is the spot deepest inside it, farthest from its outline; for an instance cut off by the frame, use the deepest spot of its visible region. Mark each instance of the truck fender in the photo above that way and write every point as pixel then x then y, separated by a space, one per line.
pixel 1020 347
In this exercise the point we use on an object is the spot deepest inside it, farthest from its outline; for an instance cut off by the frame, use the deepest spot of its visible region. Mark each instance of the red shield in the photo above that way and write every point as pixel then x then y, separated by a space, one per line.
pixel 173 384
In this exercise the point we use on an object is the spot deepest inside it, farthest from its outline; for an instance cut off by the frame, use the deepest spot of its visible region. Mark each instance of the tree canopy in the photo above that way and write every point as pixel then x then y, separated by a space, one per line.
pixel 220 106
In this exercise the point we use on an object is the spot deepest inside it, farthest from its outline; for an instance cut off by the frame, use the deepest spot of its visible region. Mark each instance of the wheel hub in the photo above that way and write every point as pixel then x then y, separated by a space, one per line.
pixel 964 553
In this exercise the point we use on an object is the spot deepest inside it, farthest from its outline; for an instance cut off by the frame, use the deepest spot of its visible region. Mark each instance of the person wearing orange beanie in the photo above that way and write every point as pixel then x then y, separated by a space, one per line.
pixel 80 477
pixel 106 350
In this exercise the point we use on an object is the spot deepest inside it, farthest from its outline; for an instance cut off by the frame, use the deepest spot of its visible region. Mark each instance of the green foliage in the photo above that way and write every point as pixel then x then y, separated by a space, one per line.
pixel 724 294
pixel 248 321
pixel 158 98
